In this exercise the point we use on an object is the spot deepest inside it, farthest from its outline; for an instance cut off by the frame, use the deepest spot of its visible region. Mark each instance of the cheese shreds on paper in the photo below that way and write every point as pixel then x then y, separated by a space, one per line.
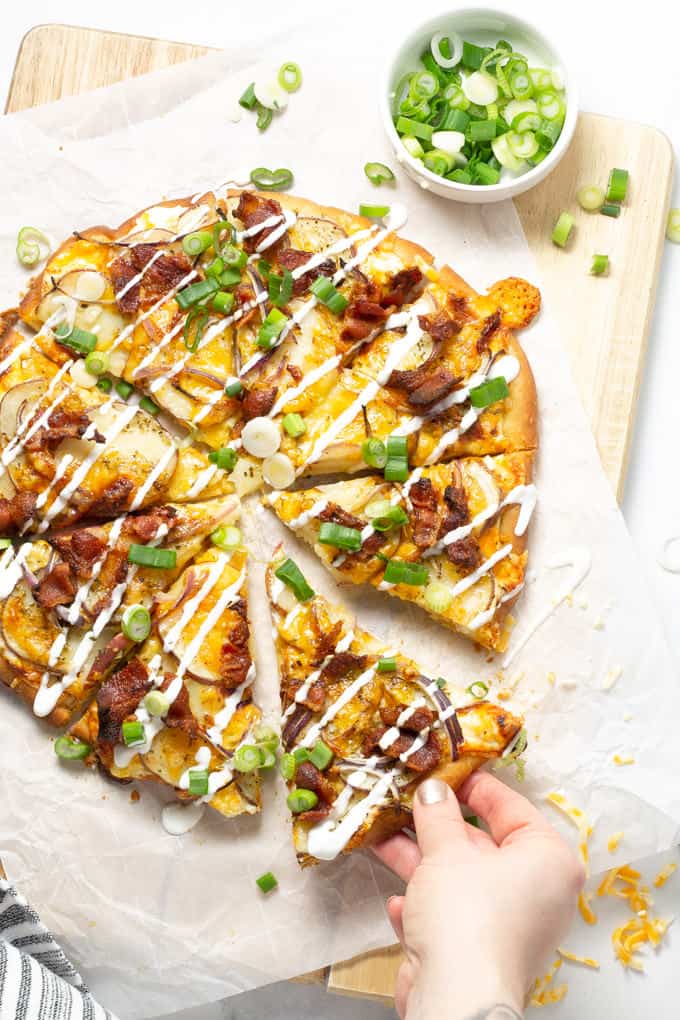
pixel 623 759
pixel 613 842
pixel 580 820
pixel 587 961
pixel 543 992
pixel 665 874
pixel 641 928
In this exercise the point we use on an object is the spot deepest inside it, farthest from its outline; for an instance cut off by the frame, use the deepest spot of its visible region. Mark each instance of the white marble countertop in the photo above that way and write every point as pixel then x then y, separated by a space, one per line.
pixel 622 72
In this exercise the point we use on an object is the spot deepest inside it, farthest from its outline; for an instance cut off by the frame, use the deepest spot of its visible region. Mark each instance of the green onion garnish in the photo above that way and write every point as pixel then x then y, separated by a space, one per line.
pixel 437 597
pixel 562 229
pixel 147 404
pixel 97 362
pixel 222 302
pixel 268 881
pixel 78 339
pixel 136 623
pixel 478 689
pixel 600 265
pixel 151 556
pixel 474 55
pixel 195 244
pixel 404 572
pixel 390 517
pixel 233 257
pixel 328 295
pixel 481 130
pixel 271 329
pixel 291 575
pixel 105 385
pixel 226 537
pixel 489 392
pixel 374 453
pixel 617 187
pixel 340 536
pixel 5 543
pixel 124 389
pixel 294 425
pixel 321 755
pixel 280 288
pixel 301 754
pixel 378 173
pixel 156 703
pixel 71 750
pixel 196 292
pixel 290 76
pixel 215 268
pixel 234 388
pixel 264 117
pixel 300 800
pixel 198 782
pixel 32 246
pixel 373 212
pixel 225 458
pixel 271 180
pixel 673 226
pixel 414 129
pixel 396 466
pixel 247 758
pixel 133 733
pixel 229 277
pixel 609 209
pixel 288 766
pixel 590 197
pixel 388 665
pixel 249 100
pixel 441 683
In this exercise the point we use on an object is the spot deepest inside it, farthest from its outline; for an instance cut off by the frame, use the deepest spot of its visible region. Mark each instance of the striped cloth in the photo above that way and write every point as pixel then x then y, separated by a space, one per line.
pixel 37 981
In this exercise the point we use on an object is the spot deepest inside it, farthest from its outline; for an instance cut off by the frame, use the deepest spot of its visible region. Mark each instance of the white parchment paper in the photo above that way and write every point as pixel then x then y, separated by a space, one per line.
pixel 161 923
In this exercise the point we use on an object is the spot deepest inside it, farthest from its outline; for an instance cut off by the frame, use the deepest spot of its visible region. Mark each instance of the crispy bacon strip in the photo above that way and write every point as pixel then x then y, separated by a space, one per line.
pixel 158 279
pixel 258 402
pixel 293 258
pixel 425 513
pixel 434 388
pixel 119 697
pixel 81 549
pixel 16 511
pixel 235 657
pixel 145 527
pixel 61 425
pixel 403 288
pixel 56 588
pixel 309 777
pixel 253 209
pixel 465 553
pixel 491 325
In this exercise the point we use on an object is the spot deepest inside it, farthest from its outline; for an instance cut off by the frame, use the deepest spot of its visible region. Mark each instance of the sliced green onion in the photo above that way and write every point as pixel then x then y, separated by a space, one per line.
pixel 78 339
pixel 227 537
pixel 673 226
pixel 474 55
pixel 396 466
pixel 124 389
pixel 373 212
pixel 157 703
pixel 521 85
pixel 600 265
pixel 485 174
pixel 280 288
pixel 148 405
pixel 5 543
pixel 196 292
pixel 105 385
pixel 339 536
pixel 194 325
pixel 268 757
pixel 133 733
pixel 271 180
pixel 300 754
pixel 562 229
pixel 522 146
pixel 271 329
pixel 32 246
pixel 264 734
pixel 198 782
pixel 249 100
pixel 387 665
pixel 151 556
pixel 374 453
pixel 290 76
pixel 291 575
pixel 456 98
pixel 549 105
pixel 247 758
pixel 229 277
pixel 234 388
pixel 478 689
pixel 71 750
pixel 526 121
pixel 424 85
pixel 294 425
pixel 136 623
pixel 225 458
pixel 328 295
pixel 404 572
pixel 220 244
pixel 460 176
pixel 617 187
pixel 548 133
pixel 455 120
pixel 413 146
pixel 438 597
pixel 610 209
pixel 590 197
pixel 299 800
pixel 288 766
pixel 481 130
pixel 541 78
pixel 233 256
pixel 489 392
pixel 222 302
pixel 501 150
pixel 438 161
pixel 321 755
pixel 269 881
pixel 264 117
pixel 441 683
pixel 391 517
pixel 97 362
pixel 378 173
pixel 215 267
pixel 196 243
pixel 414 128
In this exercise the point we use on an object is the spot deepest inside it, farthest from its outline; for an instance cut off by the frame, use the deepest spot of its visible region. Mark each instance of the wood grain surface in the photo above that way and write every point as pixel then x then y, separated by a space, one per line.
pixel 603 321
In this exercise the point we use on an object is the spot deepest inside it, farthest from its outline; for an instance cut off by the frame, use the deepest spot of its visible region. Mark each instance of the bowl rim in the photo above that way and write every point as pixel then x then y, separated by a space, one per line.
pixel 525 180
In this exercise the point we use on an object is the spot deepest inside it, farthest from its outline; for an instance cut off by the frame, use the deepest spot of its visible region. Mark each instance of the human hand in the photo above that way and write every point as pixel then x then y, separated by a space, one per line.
pixel 481 912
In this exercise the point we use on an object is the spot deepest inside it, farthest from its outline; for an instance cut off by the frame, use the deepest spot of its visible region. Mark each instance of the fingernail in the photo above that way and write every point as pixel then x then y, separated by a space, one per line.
pixel 432 791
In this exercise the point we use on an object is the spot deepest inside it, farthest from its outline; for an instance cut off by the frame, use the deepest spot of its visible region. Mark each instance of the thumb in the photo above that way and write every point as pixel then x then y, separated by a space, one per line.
pixel 437 816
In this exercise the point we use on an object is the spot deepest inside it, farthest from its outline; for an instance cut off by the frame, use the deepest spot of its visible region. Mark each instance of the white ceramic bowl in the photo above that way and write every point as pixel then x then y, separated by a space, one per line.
pixel 485 27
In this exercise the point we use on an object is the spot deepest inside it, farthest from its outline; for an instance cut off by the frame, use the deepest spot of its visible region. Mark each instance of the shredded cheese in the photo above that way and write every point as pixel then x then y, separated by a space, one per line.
pixel 641 928
pixel 580 820
pixel 623 759
pixel 613 842
pixel 665 874
pixel 587 961
pixel 543 992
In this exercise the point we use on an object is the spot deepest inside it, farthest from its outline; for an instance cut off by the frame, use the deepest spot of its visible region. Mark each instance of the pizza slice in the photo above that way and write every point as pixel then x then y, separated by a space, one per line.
pixel 76 603
pixel 70 450
pixel 451 538
pixel 362 725
pixel 180 712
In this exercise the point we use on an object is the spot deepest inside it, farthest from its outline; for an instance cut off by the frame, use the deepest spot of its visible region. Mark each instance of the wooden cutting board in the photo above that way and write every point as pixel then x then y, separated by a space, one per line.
pixel 604 321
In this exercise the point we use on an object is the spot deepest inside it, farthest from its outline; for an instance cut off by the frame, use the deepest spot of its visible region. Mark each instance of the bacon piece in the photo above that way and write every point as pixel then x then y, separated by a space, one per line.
pixel 316 696
pixel 309 777
pixel 235 657
pixel 81 549
pixel 16 511
pixel 425 758
pixel 434 387
pixel 465 553
pixel 491 325
pixel 119 697
pixel 341 664
pixel 328 639
pixel 336 515
pixel 156 280
pixel 259 402
pixel 361 318
pixel 317 814
pixel 457 512
pixel 146 526
pixel 403 287
pixel 179 716
pixel 439 326
pixel 293 258
pixel 115 648
pixel 56 588
pixel 422 718
pixel 61 425
pixel 294 372
pixel 114 499
pixel 425 512
pixel 253 209
pixel 422 760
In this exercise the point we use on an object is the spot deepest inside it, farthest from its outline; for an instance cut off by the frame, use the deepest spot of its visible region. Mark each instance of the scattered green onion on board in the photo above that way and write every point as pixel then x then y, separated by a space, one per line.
pixel 271 180
pixel 151 556
pixel 136 623
pixel 617 188
pixel 673 226
pixel 562 229
pixel 69 749
pixel 478 689
pixel 378 173
pixel 404 572
pixel 248 99
pixel 32 246
pixel 600 265
pixel 267 882
pixel 292 576
pixel 225 458
pixel 290 76
pixel 339 536
pixel 590 198
pixel 611 209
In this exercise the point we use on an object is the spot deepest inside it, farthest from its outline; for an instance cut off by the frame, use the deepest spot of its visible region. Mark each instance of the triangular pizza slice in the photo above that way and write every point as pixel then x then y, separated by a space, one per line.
pixel 450 538
pixel 362 725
